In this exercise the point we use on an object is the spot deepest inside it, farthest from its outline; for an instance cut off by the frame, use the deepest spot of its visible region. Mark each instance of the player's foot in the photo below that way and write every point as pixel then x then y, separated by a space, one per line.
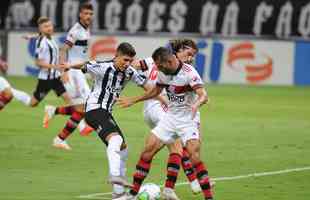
pixel 61 144
pixel 117 196
pixel 195 186
pixel 212 183
pixel 169 194
pixel 86 131
pixel 126 196
pixel 49 112
pixel 119 180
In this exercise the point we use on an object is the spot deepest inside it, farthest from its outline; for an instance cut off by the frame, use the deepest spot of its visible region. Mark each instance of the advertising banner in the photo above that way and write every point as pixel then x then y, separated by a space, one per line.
pixel 273 18
pixel 253 62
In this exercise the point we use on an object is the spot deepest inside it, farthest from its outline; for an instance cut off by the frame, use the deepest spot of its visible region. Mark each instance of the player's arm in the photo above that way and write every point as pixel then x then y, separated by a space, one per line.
pixel 64 52
pixel 42 64
pixel 150 93
pixel 201 100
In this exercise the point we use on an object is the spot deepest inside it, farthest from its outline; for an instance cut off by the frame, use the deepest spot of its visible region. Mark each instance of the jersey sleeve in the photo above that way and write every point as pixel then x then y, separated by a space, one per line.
pixel 195 80
pixel 136 77
pixel 161 80
pixel 93 68
pixel 71 37
pixel 41 51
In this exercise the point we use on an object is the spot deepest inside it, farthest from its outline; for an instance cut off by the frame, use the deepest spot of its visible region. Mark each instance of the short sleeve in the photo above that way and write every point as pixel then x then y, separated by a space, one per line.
pixel 136 77
pixel 71 37
pixel 161 80
pixel 93 68
pixel 195 80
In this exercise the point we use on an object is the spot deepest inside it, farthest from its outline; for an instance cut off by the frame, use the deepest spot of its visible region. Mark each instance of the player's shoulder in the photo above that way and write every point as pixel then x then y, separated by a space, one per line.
pixel 102 63
pixel 188 69
pixel 41 41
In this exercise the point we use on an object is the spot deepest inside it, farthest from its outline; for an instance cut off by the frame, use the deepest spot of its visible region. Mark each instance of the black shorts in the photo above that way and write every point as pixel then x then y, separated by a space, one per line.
pixel 103 122
pixel 44 87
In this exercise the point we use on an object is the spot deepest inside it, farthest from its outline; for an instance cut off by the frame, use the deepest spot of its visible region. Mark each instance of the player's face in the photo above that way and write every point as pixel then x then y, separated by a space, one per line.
pixel 47 28
pixel 169 66
pixel 86 16
pixel 122 62
pixel 187 55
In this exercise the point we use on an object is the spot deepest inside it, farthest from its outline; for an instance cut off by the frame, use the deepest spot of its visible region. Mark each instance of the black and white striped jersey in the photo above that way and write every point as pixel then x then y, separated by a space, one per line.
pixel 47 50
pixel 108 83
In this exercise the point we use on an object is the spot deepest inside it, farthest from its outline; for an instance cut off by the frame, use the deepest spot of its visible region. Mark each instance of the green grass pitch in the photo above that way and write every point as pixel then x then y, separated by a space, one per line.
pixel 245 130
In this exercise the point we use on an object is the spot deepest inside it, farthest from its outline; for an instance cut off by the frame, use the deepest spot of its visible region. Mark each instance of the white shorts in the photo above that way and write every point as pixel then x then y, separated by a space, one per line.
pixel 4 84
pixel 172 127
pixel 153 115
pixel 77 87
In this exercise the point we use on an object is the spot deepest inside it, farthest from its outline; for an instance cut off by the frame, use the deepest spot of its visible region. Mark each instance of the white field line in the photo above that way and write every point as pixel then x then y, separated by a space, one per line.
pixel 217 179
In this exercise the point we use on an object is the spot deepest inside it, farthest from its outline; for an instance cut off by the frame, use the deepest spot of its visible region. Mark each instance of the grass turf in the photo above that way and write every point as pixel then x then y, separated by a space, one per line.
pixel 245 130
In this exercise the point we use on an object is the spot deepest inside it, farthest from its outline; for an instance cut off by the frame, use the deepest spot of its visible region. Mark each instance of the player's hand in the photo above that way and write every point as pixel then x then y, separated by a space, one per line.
pixel 195 108
pixel 63 66
pixel 65 77
pixel 28 37
pixel 125 102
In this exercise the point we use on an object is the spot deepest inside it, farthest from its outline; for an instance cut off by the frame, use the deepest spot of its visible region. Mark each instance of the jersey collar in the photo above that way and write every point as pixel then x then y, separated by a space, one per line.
pixel 85 27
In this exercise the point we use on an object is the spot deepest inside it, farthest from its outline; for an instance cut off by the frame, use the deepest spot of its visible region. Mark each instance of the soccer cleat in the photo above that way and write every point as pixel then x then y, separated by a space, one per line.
pixel 119 180
pixel 49 112
pixel 169 194
pixel 195 186
pixel 86 131
pixel 125 196
pixel 116 196
pixel 61 144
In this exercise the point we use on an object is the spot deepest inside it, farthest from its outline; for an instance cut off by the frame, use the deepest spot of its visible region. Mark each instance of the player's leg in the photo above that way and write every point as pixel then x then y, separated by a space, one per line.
pixel 152 145
pixel 173 167
pixel 21 96
pixel 190 172
pixel 5 97
pixel 83 91
pixel 193 147
pixel 42 89
pixel 117 152
pixel 5 93
pixel 60 140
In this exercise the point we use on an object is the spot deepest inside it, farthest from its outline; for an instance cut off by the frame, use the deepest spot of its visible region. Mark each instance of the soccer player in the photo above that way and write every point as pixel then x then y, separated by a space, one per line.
pixel 46 58
pixel 75 49
pixel 7 93
pixel 110 78
pixel 186 94
pixel 185 50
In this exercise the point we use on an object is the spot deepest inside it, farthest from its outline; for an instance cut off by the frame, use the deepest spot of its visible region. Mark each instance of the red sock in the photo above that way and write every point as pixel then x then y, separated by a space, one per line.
pixel 187 166
pixel 173 168
pixel 71 125
pixel 142 169
pixel 3 101
pixel 203 178
pixel 64 110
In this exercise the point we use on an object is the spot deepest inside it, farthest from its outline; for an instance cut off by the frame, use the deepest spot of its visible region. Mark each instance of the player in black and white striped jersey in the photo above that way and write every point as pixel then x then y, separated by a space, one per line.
pixel 46 58
pixel 110 78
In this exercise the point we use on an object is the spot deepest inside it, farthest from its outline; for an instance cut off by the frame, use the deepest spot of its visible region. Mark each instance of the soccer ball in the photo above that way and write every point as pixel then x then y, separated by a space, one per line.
pixel 149 191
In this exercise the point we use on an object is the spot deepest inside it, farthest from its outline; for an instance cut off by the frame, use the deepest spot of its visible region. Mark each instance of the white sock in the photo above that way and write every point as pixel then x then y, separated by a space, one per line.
pixel 82 125
pixel 118 189
pixel 124 156
pixel 21 96
pixel 114 157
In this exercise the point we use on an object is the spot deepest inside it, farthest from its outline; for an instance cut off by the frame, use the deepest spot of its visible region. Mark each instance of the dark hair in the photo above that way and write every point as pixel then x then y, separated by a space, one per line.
pixel 161 54
pixel 86 6
pixel 178 44
pixel 126 49
pixel 42 20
